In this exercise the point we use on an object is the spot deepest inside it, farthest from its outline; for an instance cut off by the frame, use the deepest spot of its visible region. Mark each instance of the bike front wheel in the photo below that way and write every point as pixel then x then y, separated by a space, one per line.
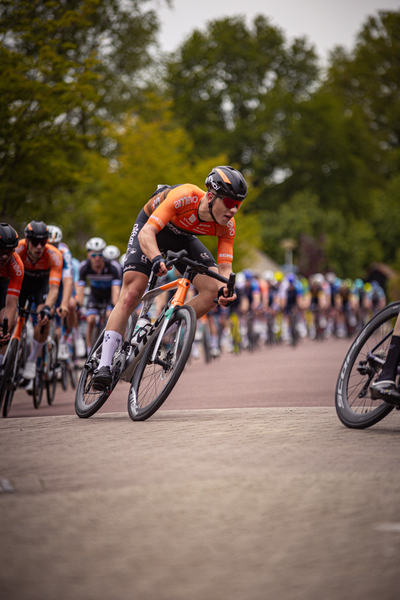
pixel 362 365
pixel 87 400
pixel 153 380
pixel 6 386
pixel 51 381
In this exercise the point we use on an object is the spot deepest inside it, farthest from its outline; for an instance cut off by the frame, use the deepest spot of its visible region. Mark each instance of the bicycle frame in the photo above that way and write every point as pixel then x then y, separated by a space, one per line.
pixel 182 285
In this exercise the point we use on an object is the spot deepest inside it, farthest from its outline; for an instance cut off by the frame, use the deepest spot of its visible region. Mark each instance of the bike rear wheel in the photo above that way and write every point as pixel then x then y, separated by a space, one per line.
pixel 38 385
pixel 362 365
pixel 153 381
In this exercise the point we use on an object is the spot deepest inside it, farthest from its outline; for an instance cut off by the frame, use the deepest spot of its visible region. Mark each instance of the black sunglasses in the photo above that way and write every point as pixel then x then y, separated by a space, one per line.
pixel 37 241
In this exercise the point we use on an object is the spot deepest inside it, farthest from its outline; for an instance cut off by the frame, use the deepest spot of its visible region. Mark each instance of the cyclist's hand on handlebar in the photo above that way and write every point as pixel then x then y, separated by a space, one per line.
pixel 62 311
pixel 223 298
pixel 44 315
pixel 159 267
pixel 4 339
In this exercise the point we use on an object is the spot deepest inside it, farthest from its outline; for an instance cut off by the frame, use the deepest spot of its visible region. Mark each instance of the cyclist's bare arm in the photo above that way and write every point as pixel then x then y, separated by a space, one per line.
pixel 115 292
pixel 8 312
pixel 225 269
pixel 50 301
pixel 148 243
pixel 68 284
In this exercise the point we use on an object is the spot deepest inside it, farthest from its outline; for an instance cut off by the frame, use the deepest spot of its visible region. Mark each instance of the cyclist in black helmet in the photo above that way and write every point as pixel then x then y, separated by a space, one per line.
pixel 171 220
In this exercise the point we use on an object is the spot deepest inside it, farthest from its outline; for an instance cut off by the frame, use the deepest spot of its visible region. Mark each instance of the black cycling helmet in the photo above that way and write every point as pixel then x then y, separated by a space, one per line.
pixel 8 237
pixel 227 181
pixel 37 229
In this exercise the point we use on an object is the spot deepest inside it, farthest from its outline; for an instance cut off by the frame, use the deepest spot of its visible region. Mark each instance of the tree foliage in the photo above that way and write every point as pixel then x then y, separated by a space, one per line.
pixel 61 64
pixel 150 154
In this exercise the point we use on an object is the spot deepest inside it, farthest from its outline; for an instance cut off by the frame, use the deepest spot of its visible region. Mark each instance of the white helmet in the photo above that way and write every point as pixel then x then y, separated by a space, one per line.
pixel 268 275
pixel 55 234
pixel 122 259
pixel 95 244
pixel 111 252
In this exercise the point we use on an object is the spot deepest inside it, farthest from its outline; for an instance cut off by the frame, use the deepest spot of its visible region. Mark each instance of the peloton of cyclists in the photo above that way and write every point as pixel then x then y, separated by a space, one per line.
pixel 171 220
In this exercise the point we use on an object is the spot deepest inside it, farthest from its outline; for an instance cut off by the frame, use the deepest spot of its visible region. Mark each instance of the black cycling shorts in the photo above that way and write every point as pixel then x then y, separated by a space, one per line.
pixel 38 287
pixel 4 281
pixel 136 260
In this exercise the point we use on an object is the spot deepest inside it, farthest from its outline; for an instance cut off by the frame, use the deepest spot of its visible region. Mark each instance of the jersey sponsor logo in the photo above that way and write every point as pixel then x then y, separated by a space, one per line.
pixel 192 219
pixel 181 202
pixel 134 233
pixel 55 257
pixel 131 251
pixel 16 267
pixel 204 255
pixel 175 230
pixel 230 225
pixel 225 255
pixel 143 259
pixel 155 203
pixel 157 220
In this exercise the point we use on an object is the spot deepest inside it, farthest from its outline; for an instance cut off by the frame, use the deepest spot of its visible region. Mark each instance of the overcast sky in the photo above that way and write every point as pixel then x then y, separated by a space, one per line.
pixel 326 23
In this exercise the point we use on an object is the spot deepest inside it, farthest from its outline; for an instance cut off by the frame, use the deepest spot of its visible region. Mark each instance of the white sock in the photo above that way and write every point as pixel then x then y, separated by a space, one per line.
pixel 110 344
pixel 35 351
pixel 77 333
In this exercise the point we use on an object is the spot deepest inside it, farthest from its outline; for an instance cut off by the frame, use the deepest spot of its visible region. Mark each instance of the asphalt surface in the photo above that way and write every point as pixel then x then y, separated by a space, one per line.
pixel 244 486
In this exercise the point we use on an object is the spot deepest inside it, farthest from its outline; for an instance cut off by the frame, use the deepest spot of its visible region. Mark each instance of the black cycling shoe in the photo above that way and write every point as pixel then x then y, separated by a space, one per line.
pixel 385 390
pixel 102 379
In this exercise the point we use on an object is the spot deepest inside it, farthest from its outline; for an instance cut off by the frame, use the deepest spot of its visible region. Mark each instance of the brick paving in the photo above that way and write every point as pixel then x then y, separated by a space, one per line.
pixel 240 502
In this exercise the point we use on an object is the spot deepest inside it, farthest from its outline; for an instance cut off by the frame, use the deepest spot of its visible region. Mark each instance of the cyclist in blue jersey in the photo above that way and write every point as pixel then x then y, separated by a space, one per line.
pixel 105 284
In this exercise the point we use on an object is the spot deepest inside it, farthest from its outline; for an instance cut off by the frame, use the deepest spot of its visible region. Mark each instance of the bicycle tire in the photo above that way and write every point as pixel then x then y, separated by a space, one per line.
pixel 8 372
pixel 19 361
pixel 206 346
pixel 354 405
pixel 72 375
pixel 38 385
pixel 51 381
pixel 87 400
pixel 64 375
pixel 146 395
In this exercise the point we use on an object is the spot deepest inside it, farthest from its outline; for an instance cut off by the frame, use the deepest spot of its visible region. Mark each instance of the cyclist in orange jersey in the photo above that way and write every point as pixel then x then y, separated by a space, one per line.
pixel 11 276
pixel 171 220
pixel 43 269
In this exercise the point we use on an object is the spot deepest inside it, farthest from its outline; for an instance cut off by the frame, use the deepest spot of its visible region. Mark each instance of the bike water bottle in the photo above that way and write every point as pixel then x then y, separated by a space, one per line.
pixel 143 324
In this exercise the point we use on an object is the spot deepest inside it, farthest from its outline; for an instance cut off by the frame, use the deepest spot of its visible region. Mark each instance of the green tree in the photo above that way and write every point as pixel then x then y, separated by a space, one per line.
pixel 150 154
pixel 61 64
pixel 326 239
pixel 230 84
pixel 368 79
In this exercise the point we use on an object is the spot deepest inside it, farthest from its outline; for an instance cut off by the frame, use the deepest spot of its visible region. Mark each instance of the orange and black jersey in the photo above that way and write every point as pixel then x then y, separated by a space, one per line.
pixel 12 275
pixel 177 208
pixel 49 265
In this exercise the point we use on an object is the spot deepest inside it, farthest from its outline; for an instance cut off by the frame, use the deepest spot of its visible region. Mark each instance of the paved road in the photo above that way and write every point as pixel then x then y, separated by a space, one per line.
pixel 260 495
pixel 278 376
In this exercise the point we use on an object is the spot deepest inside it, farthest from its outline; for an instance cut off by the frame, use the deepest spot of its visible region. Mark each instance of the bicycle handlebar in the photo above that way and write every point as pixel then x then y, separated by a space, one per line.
pixel 181 256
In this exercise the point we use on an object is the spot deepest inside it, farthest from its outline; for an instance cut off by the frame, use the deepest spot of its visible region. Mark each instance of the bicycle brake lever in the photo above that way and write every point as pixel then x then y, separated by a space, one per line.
pixel 5 326
pixel 231 284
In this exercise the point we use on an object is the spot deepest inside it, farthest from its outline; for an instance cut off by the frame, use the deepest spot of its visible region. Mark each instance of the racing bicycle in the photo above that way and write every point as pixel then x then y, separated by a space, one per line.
pixel 15 358
pixel 153 358
pixel 362 365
